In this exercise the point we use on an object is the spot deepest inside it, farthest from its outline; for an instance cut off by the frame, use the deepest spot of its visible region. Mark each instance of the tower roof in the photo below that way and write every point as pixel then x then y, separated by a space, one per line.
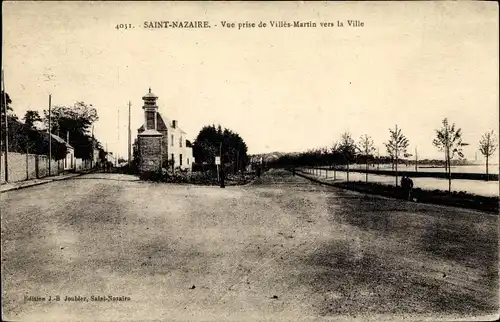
pixel 149 96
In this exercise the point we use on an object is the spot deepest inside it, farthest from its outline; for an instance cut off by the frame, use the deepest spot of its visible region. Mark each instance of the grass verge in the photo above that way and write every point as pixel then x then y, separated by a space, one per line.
pixel 439 197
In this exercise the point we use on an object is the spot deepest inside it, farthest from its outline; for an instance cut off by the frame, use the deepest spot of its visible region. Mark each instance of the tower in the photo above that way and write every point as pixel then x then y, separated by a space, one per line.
pixel 150 141
pixel 150 111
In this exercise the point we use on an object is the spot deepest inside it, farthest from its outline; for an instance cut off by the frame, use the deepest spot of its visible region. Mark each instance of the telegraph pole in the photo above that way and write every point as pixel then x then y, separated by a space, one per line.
pixel 396 143
pixel 50 131
pixel 416 160
pixel 92 150
pixel 6 130
pixel 129 136
pixel 221 167
pixel 237 161
pixel 118 133
pixel 118 124
pixel 378 159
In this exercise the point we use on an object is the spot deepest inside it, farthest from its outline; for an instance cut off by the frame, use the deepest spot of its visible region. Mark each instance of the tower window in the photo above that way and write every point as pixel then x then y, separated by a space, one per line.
pixel 180 142
pixel 172 140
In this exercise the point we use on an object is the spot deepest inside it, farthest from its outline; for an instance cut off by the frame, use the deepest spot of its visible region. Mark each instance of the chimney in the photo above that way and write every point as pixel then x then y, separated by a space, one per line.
pixel 174 124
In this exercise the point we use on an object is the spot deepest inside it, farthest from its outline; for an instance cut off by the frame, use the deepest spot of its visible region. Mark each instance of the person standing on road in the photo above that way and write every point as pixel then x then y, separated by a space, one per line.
pixel 410 187
pixel 406 186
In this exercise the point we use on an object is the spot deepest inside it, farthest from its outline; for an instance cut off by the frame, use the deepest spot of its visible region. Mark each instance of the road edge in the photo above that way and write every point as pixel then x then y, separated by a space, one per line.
pixel 45 181
pixel 482 211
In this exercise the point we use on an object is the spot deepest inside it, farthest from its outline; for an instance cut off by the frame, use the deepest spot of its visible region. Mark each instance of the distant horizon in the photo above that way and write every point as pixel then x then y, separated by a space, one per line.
pixel 479 161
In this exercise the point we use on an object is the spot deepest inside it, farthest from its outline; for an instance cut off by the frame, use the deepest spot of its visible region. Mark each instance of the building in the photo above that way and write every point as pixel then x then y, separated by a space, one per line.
pixel 174 149
pixel 69 160
pixel 177 150
pixel 110 158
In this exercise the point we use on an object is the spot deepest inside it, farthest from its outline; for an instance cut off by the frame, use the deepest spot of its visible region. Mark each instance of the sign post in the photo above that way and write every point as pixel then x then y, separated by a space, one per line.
pixel 217 162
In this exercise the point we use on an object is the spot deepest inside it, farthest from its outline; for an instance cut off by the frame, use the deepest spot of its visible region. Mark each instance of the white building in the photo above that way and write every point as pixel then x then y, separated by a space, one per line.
pixel 176 148
pixel 69 161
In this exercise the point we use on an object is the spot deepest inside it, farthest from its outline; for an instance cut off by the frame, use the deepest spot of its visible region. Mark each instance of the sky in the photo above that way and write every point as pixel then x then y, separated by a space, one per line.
pixel 282 89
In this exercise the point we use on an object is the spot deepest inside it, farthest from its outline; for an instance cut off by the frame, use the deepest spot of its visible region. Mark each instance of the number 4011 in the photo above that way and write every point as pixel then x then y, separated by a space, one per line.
pixel 124 26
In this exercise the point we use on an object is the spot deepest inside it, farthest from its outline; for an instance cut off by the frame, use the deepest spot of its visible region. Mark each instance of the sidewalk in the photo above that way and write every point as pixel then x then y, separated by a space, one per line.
pixel 35 182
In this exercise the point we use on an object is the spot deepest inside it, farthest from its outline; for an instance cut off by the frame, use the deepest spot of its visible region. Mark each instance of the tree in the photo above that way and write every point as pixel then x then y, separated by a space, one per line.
pixel 30 132
pixel 397 146
pixel 212 142
pixel 487 146
pixel 367 148
pixel 6 98
pixel 206 145
pixel 24 137
pixel 30 118
pixel 347 148
pixel 449 140
pixel 75 121
pixel 78 117
pixel 5 108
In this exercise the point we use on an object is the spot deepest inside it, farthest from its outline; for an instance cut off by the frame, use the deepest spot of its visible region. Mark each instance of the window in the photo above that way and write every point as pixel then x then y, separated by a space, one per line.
pixel 187 160
pixel 172 140
pixel 180 142
pixel 172 157
pixel 180 159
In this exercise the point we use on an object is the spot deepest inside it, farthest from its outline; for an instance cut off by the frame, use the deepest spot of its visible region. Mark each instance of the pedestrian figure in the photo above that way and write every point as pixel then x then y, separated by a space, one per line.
pixel 293 171
pixel 410 187
pixel 406 185
pixel 221 173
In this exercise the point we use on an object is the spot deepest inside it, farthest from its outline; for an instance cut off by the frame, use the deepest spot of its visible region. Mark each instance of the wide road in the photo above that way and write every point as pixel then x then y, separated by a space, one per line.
pixel 281 248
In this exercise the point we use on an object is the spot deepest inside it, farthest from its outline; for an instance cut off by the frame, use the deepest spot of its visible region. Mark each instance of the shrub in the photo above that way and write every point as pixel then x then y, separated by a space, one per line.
pixel 201 178
pixel 460 199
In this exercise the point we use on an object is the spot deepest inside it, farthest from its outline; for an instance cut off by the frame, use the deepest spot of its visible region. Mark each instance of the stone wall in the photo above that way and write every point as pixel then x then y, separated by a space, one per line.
pixel 81 164
pixel 25 167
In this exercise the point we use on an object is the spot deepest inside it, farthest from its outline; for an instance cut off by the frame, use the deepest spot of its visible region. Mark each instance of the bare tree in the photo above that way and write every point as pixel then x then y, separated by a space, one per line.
pixel 334 156
pixel 397 146
pixel 347 147
pixel 449 140
pixel 366 146
pixel 487 147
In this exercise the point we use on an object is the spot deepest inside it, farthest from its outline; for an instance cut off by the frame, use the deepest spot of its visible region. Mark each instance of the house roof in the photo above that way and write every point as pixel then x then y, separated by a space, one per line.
pixel 161 124
pixel 151 133
pixel 60 140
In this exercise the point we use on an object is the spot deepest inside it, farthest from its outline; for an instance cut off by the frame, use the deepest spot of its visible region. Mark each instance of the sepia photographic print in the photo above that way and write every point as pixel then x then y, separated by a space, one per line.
pixel 249 161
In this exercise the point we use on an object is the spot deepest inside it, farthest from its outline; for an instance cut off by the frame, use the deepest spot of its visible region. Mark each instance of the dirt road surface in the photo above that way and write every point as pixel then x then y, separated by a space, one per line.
pixel 281 248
